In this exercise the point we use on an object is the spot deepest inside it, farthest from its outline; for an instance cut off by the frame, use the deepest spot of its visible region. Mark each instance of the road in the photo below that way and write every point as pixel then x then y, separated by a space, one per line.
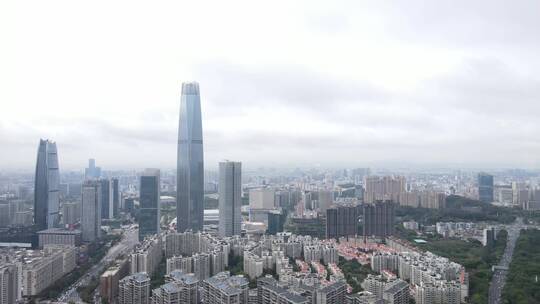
pixel 499 275
pixel 126 244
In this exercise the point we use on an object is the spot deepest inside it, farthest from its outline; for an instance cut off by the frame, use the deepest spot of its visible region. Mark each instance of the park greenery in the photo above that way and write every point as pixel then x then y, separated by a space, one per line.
pixel 236 264
pixel 522 283
pixel 354 273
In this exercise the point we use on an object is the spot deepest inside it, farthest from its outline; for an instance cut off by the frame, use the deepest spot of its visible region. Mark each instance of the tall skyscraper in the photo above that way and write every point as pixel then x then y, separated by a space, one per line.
pixel 485 187
pixel 115 196
pixel 230 198
pixel 149 213
pixel 190 162
pixel 92 172
pixel 47 180
pixel 91 211
pixel 106 199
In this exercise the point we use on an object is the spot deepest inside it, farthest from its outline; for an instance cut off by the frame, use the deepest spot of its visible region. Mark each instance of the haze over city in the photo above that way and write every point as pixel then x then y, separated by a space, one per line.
pixel 421 83
pixel 282 152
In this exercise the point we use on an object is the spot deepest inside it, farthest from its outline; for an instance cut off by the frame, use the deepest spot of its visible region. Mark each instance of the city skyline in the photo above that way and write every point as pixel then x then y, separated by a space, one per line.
pixel 357 84
pixel 300 152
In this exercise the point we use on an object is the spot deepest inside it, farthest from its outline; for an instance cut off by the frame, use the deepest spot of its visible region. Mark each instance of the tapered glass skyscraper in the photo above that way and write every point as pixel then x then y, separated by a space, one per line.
pixel 190 164
pixel 46 189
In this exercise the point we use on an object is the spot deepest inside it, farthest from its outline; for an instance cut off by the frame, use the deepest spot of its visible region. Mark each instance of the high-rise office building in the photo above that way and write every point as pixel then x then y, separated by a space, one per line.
pixel 342 221
pixel 91 211
pixel 379 219
pixel 230 198
pixel 46 191
pixel 190 162
pixel 149 213
pixel 106 199
pixel 276 221
pixel 92 172
pixel 485 187
pixel 115 196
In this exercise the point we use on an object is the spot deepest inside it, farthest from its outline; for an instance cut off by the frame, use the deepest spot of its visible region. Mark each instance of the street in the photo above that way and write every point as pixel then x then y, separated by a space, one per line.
pixel 126 244
pixel 499 274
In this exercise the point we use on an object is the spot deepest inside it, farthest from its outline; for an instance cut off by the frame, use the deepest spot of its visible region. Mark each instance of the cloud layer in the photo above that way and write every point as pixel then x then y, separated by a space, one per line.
pixel 283 84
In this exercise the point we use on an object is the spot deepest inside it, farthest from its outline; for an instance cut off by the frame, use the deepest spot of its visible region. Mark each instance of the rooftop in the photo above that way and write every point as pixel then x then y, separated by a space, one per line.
pixel 59 231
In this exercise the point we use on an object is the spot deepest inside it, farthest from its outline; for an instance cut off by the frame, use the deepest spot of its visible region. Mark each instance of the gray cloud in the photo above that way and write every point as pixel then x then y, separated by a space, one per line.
pixel 483 23
pixel 481 106
pixel 293 86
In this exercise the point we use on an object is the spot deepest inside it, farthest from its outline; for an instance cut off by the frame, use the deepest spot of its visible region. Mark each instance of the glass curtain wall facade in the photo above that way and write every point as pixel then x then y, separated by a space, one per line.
pixel 149 213
pixel 46 191
pixel 190 163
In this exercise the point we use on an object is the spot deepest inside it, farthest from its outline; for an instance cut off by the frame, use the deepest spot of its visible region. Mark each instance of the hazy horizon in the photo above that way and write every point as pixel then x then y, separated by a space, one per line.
pixel 285 85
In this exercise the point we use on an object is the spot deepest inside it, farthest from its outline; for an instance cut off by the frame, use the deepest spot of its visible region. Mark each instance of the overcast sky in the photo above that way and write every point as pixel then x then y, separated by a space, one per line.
pixel 283 83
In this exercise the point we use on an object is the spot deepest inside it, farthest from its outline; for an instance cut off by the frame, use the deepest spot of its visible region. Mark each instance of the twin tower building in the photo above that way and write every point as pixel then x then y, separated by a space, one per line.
pixel 190 177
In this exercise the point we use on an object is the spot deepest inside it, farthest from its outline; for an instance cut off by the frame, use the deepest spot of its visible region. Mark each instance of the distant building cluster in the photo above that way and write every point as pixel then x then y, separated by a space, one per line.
pixel 15 213
pixel 394 188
